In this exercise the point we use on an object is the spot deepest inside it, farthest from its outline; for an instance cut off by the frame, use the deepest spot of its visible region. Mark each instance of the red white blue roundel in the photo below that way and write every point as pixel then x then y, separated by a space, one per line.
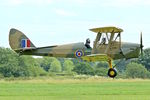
pixel 79 53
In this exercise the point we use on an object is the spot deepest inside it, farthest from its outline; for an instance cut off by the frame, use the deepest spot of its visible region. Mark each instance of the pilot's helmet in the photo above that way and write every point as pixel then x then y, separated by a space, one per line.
pixel 104 39
pixel 87 40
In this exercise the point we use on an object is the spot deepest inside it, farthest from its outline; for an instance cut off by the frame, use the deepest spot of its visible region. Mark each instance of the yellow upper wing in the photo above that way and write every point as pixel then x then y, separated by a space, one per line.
pixel 107 30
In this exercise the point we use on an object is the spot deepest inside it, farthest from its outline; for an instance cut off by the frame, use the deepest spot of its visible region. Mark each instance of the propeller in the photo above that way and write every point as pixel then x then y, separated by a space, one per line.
pixel 141 44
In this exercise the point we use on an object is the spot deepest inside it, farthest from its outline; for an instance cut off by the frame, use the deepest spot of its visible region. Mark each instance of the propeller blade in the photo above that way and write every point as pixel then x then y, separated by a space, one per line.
pixel 141 44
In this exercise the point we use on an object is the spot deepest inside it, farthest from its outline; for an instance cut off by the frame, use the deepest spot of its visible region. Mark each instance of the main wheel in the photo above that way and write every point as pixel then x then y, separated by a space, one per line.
pixel 112 73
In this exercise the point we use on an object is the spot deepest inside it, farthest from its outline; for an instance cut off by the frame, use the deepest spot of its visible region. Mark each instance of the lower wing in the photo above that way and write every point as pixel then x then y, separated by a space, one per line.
pixel 96 57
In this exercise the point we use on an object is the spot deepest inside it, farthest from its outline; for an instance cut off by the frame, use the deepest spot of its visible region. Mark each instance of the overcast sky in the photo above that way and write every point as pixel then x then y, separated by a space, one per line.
pixel 53 22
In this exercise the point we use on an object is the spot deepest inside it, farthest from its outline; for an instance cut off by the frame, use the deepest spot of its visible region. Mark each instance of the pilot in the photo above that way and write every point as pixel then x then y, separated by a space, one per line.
pixel 103 41
pixel 87 44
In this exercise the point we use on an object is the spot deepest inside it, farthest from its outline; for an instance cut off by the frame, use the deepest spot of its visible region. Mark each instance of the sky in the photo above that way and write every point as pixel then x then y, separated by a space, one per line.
pixel 54 22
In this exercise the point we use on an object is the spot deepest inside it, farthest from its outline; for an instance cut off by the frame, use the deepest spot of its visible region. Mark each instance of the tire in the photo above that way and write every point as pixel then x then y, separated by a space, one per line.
pixel 112 73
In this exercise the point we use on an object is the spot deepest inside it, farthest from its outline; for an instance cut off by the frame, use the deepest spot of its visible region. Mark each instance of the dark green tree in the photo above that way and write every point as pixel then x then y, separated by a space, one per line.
pixel 9 63
pixel 45 62
pixel 62 60
pixel 55 66
pixel 68 66
pixel 30 66
pixel 84 68
pixel 102 64
pixel 101 71
pixel 145 59
pixel 135 70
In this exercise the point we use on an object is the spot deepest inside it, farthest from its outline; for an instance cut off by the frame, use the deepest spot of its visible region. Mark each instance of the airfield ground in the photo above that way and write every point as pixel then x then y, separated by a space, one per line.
pixel 75 89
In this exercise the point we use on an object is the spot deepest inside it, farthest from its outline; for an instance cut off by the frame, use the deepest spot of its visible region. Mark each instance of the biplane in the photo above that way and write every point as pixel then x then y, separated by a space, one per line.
pixel 106 47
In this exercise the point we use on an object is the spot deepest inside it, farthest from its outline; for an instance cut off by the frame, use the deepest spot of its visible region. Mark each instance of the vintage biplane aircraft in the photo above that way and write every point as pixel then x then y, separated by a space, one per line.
pixel 107 47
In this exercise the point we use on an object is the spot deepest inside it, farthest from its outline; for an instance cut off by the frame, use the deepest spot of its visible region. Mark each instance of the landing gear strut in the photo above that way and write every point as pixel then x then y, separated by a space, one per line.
pixel 111 72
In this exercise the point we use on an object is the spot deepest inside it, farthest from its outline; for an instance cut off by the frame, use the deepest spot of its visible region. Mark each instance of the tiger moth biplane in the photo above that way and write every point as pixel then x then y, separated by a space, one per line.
pixel 106 47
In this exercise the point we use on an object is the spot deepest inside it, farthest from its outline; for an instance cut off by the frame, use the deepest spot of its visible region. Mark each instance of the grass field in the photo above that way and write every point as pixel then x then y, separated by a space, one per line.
pixel 75 89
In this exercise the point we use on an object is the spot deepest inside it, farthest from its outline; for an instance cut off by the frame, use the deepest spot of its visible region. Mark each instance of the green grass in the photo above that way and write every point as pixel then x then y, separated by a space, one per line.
pixel 75 89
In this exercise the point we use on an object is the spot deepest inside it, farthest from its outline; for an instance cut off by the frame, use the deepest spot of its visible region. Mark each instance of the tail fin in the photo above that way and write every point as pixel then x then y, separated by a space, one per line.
pixel 17 40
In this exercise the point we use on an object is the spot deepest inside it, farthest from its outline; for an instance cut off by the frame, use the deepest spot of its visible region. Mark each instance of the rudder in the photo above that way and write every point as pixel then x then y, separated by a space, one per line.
pixel 18 40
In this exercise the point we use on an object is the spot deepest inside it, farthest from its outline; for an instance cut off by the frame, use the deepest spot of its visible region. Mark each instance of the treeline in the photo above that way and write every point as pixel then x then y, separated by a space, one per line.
pixel 13 65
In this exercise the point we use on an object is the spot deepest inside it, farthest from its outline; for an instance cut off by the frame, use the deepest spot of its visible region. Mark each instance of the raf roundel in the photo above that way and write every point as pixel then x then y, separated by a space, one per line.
pixel 79 53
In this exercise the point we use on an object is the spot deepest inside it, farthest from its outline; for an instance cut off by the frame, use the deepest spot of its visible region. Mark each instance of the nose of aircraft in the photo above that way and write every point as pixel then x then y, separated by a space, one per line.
pixel 133 50
pixel 130 50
